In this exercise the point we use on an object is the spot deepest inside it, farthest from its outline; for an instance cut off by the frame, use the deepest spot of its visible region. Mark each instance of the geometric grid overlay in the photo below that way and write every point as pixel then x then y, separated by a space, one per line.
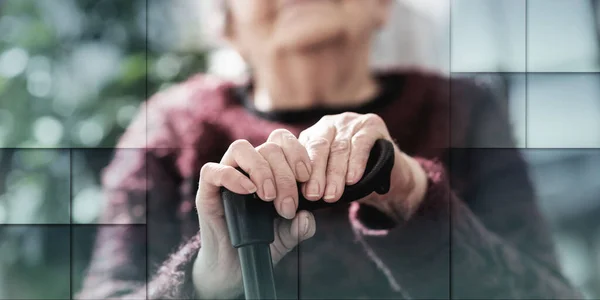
pixel 526 65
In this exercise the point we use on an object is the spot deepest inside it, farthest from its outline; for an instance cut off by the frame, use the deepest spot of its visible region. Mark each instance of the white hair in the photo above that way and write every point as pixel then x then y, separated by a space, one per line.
pixel 410 39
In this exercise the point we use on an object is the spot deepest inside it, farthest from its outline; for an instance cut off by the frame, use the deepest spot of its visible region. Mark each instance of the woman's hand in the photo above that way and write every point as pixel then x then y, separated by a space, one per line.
pixel 274 169
pixel 339 148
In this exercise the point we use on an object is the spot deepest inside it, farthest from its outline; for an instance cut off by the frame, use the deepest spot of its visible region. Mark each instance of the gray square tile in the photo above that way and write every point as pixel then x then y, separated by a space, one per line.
pixel 35 186
pixel 561 36
pixel 488 36
pixel 563 110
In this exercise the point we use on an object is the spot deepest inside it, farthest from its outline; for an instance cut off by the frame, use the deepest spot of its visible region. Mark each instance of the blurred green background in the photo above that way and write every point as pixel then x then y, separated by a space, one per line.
pixel 74 72
pixel 72 75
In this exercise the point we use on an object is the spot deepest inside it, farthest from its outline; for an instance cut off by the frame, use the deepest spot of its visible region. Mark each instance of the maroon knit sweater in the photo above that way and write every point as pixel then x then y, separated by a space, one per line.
pixel 478 233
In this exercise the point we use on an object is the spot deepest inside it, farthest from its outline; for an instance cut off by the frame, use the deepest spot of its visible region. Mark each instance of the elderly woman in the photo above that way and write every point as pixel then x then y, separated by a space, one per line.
pixel 460 219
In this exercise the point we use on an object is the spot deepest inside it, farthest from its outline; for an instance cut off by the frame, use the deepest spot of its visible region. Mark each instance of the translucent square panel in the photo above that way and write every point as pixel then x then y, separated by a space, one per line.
pixel 34 186
pixel 496 118
pixel 556 171
pixel 563 110
pixel 488 36
pixel 35 262
pixel 108 260
pixel 567 186
pixel 110 186
pixel 416 35
pixel 70 74
pixel 562 36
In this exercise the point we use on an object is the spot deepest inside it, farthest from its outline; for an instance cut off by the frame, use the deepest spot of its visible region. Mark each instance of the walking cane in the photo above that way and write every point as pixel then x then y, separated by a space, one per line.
pixel 250 220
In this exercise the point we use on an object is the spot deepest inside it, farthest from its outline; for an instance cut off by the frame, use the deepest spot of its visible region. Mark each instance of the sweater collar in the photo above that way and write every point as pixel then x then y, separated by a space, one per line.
pixel 391 86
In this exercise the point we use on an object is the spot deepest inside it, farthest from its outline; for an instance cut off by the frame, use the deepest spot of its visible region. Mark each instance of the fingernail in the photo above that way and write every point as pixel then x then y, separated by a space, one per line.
pixel 312 190
pixel 302 170
pixel 288 208
pixel 269 189
pixel 330 192
pixel 350 177
pixel 306 221
pixel 249 186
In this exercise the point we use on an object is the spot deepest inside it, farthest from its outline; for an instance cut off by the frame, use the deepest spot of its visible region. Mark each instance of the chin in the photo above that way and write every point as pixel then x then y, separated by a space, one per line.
pixel 309 30
pixel 307 36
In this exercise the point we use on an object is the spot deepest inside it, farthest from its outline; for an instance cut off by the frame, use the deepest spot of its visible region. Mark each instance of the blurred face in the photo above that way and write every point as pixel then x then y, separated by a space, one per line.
pixel 259 26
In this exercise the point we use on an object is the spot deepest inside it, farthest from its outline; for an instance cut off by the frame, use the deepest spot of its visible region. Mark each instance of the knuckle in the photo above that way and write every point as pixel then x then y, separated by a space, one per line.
pixel 286 181
pixel 217 175
pixel 280 134
pixel 319 143
pixel 224 172
pixel 373 119
pixel 289 138
pixel 345 121
pixel 348 116
pixel 340 146
pixel 333 170
pixel 262 169
pixel 269 148
pixel 239 144
pixel 361 139
pixel 206 170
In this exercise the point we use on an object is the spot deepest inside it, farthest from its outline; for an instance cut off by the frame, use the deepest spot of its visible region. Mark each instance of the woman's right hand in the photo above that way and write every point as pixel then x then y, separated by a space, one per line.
pixel 274 168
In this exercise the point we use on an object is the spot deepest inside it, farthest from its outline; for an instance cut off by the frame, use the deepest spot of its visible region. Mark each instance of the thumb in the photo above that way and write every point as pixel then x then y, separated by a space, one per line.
pixel 289 233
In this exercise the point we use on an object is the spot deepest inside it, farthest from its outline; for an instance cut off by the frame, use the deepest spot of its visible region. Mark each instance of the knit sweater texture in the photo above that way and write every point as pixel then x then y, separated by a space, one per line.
pixel 478 233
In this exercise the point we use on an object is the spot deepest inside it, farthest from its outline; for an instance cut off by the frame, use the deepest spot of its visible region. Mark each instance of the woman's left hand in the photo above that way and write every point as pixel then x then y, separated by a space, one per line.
pixel 339 147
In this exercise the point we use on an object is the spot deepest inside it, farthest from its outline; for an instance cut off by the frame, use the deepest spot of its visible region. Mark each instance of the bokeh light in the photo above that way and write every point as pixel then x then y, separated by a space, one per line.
pixel 48 131
pixel 87 204
pixel 125 114
pixel 39 84
pixel 13 62
pixel 90 132
pixel 168 66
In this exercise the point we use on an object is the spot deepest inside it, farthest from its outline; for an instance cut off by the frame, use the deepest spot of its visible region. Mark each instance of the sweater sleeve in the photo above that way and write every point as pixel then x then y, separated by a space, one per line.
pixel 139 251
pixel 488 242
pixel 118 268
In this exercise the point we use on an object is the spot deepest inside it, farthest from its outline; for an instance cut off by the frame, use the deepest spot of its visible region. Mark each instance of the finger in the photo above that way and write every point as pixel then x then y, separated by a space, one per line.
pixel 295 154
pixel 360 149
pixel 286 202
pixel 337 166
pixel 213 176
pixel 242 154
pixel 317 144
pixel 290 233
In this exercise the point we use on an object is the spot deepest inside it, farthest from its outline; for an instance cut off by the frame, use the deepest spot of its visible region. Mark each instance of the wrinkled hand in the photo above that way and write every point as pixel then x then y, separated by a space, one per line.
pixel 339 148
pixel 274 168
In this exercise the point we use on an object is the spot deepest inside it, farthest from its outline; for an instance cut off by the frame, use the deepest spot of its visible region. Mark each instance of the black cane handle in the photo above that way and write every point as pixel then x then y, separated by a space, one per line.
pixel 250 220
pixel 376 178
